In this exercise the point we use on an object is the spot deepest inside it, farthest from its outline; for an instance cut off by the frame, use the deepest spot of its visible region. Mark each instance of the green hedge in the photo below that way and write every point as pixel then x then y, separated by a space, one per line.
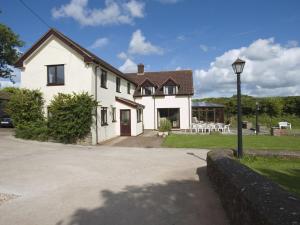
pixel 70 116
pixel 25 106
pixel 34 131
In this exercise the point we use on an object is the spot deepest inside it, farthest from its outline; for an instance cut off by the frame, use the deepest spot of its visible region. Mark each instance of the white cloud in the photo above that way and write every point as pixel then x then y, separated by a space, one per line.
pixel 139 45
pixel 135 8
pixel 122 55
pixel 113 12
pixel 178 68
pixel 99 43
pixel 169 1
pixel 271 69
pixel 128 67
pixel 204 48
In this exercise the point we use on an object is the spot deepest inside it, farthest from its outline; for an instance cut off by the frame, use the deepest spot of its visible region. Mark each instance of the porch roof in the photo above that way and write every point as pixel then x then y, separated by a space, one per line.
pixel 130 103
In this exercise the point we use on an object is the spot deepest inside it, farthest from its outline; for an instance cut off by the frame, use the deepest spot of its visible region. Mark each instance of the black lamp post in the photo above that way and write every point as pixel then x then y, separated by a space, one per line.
pixel 256 118
pixel 238 67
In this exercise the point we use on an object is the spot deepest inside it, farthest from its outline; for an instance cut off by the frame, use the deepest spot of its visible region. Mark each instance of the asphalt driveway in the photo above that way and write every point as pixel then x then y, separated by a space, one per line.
pixel 48 183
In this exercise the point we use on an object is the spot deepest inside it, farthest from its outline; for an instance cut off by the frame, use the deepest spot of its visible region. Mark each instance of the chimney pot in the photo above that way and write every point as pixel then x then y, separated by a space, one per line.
pixel 140 69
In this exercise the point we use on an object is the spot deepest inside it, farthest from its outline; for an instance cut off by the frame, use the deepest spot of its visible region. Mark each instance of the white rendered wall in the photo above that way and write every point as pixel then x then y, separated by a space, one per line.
pixel 106 98
pixel 148 112
pixel 78 75
pixel 150 118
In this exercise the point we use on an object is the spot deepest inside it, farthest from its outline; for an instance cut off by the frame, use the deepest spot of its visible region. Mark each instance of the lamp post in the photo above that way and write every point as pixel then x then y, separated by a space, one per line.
pixel 256 118
pixel 238 67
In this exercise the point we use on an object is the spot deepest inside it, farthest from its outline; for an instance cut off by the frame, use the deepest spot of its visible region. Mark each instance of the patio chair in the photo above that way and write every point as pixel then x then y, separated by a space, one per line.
pixel 195 120
pixel 227 127
pixel 284 125
pixel 194 127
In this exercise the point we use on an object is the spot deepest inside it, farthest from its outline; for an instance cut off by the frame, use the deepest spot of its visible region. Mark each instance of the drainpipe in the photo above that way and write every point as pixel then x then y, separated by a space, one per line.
pixel 154 110
pixel 96 99
pixel 189 112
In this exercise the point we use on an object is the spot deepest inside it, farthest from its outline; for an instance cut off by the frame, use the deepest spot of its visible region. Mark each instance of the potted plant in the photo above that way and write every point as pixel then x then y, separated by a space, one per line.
pixel 164 128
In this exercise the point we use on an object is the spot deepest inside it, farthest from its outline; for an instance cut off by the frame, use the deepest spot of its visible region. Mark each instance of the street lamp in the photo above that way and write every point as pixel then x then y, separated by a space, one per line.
pixel 238 67
pixel 256 118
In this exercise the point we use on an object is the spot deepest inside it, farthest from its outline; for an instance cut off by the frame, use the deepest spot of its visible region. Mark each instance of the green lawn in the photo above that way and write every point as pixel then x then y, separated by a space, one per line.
pixel 285 172
pixel 230 141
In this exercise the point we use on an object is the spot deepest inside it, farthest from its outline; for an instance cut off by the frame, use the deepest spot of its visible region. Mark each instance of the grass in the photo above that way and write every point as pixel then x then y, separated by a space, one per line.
pixel 285 172
pixel 230 141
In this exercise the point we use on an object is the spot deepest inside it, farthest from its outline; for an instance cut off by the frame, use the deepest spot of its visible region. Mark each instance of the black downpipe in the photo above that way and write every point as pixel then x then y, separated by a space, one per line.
pixel 96 99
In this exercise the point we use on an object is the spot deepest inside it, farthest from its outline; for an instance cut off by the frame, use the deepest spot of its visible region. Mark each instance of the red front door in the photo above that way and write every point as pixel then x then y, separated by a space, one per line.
pixel 125 122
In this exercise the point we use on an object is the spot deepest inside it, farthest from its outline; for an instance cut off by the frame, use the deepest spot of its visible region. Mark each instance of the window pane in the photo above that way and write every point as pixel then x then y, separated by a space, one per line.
pixel 60 76
pixel 51 74
pixel 148 90
pixel 103 79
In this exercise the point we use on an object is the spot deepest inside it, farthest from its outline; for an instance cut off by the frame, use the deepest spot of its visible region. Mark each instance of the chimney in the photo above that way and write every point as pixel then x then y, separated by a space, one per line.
pixel 140 68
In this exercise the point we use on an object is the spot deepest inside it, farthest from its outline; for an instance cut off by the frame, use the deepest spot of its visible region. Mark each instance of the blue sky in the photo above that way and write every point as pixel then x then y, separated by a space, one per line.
pixel 204 36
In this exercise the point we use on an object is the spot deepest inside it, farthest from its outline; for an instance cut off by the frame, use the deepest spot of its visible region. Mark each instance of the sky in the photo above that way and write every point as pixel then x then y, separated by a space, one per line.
pixel 205 36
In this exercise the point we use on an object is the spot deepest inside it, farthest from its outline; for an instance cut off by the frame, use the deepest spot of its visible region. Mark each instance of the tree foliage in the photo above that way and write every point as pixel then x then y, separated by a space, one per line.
pixel 70 116
pixel 25 106
pixel 9 42
pixel 271 106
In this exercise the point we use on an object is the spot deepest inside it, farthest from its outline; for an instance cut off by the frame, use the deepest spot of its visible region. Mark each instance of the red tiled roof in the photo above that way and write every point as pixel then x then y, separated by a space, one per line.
pixel 183 78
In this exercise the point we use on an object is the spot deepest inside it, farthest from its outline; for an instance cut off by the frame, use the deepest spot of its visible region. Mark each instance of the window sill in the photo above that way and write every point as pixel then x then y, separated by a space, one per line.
pixel 55 84
pixel 104 124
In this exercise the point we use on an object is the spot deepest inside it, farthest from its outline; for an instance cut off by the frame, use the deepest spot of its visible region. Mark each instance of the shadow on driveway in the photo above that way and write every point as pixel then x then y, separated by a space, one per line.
pixel 183 202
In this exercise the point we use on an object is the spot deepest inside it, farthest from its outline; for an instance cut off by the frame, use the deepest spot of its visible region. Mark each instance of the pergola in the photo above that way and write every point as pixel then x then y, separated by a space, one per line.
pixel 208 112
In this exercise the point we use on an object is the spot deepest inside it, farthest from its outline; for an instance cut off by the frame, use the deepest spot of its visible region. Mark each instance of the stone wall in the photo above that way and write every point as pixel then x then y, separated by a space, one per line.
pixel 247 197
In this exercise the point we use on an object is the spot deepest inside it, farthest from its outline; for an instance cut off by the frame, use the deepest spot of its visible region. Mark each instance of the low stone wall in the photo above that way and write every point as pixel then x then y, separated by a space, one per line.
pixel 247 197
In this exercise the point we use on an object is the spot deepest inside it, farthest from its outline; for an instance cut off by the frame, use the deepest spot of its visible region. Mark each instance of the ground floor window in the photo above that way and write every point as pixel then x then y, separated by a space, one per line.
pixel 103 116
pixel 139 113
pixel 171 114
pixel 114 116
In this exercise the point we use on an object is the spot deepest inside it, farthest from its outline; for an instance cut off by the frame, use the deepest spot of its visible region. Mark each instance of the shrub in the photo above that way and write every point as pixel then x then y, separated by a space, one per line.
pixel 25 106
pixel 165 125
pixel 34 131
pixel 70 116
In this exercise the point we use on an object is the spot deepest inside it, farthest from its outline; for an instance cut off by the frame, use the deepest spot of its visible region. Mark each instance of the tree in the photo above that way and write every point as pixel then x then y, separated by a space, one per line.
pixel 9 41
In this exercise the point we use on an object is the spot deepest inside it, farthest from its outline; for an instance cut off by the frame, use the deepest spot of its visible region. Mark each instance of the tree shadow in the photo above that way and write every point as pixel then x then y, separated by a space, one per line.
pixel 181 202
pixel 289 180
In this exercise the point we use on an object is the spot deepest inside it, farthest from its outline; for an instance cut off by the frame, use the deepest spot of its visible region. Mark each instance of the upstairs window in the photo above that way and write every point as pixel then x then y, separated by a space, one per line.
pixel 170 90
pixel 128 88
pixel 55 75
pixel 103 79
pixel 148 90
pixel 118 84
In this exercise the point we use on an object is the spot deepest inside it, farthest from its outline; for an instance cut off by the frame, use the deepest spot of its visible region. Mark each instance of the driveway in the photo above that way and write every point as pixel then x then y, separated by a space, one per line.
pixel 48 183
pixel 148 139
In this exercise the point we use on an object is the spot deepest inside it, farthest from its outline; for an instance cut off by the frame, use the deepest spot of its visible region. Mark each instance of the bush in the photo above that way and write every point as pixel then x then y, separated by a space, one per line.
pixel 70 116
pixel 165 125
pixel 34 131
pixel 25 106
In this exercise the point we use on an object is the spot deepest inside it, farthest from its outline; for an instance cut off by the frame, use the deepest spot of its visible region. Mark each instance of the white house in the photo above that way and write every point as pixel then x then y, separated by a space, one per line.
pixel 128 103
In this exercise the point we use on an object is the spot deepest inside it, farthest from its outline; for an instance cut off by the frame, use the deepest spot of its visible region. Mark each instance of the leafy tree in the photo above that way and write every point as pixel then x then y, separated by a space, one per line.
pixel 9 41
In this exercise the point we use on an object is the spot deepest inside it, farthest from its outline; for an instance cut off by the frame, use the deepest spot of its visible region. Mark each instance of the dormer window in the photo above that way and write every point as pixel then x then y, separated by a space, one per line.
pixel 170 90
pixel 148 90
